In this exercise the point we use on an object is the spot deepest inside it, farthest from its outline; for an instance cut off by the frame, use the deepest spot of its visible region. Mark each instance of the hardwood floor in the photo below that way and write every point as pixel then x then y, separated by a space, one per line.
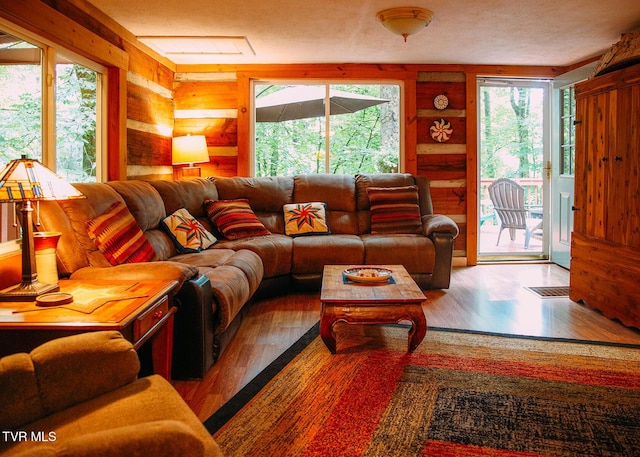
pixel 490 298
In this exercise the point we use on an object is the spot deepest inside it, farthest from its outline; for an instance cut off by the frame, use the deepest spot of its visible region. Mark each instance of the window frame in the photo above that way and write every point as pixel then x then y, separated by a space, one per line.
pixel 50 52
pixel 327 82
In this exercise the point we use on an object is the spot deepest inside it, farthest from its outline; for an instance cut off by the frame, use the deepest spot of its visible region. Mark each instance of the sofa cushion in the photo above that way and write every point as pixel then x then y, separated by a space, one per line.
pixel 144 405
pixel 305 219
pixel 312 253
pixel 339 194
pixel 415 252
pixel 186 232
pixel 234 218
pixel 118 236
pixel 275 251
pixel 394 209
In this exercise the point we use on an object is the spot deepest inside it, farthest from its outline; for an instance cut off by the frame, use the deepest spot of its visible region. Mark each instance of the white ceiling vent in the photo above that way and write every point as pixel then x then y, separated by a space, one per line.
pixel 199 49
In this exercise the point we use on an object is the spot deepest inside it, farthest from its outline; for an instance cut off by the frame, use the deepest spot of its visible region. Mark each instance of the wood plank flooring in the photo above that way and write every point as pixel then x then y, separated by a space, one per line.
pixel 490 298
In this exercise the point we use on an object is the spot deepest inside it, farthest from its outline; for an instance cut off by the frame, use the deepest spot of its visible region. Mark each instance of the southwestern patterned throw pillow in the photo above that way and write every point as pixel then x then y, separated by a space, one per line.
pixel 394 209
pixel 305 219
pixel 187 233
pixel 118 237
pixel 235 219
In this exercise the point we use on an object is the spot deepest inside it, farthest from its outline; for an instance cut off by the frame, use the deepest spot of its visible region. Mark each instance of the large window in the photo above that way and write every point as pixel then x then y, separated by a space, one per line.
pixel 326 128
pixel 50 110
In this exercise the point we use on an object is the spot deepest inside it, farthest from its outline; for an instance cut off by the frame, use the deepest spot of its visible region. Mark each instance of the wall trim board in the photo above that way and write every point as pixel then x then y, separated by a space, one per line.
pixel 47 22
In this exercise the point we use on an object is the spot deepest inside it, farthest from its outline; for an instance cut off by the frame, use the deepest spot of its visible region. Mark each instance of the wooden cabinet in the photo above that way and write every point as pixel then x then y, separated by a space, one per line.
pixel 605 251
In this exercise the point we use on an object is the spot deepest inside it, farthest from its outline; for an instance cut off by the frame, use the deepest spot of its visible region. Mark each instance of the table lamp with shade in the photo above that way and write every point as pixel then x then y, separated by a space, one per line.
pixel 24 181
pixel 189 149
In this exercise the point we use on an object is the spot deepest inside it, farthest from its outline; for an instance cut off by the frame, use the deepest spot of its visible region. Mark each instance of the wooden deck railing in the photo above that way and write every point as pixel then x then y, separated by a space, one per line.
pixel 532 194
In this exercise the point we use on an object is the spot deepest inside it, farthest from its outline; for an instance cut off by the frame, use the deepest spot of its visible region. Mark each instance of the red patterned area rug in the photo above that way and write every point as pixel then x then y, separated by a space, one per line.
pixel 457 395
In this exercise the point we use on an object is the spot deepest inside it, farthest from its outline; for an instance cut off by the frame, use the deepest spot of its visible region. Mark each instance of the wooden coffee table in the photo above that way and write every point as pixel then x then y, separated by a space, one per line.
pixel 371 303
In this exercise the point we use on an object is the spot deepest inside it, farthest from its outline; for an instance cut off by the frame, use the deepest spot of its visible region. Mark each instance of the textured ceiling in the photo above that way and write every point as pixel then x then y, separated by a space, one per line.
pixel 498 32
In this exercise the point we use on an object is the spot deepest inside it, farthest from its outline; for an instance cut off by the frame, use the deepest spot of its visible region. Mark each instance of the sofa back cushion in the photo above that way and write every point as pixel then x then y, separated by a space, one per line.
pixel 339 194
pixel 147 208
pixel 266 196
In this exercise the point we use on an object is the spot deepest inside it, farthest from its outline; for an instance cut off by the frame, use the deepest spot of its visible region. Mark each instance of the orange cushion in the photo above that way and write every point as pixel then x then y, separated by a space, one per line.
pixel 118 236
pixel 234 218
pixel 394 209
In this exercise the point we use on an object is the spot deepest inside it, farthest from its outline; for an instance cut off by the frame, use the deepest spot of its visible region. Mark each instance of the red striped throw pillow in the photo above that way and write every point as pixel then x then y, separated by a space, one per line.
pixel 234 218
pixel 394 209
pixel 117 235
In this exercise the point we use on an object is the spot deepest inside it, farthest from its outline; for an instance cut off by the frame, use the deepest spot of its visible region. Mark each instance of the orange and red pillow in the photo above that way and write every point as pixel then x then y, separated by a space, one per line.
pixel 234 218
pixel 394 209
pixel 118 237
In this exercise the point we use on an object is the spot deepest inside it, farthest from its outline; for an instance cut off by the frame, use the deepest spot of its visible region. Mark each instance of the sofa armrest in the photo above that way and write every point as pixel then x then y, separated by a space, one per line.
pixel 158 439
pixel 160 270
pixel 432 223
pixel 442 231
pixel 73 369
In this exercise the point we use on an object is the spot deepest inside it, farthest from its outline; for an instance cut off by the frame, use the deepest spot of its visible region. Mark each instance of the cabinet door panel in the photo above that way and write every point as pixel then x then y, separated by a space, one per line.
pixel 592 172
pixel 623 212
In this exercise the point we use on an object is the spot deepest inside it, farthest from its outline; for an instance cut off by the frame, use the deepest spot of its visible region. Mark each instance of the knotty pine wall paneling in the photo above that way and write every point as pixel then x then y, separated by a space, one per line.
pixel 207 104
pixel 444 163
pixel 150 118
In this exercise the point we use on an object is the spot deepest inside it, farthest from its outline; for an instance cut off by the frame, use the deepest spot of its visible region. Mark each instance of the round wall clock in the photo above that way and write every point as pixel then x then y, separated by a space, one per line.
pixel 441 130
pixel 441 101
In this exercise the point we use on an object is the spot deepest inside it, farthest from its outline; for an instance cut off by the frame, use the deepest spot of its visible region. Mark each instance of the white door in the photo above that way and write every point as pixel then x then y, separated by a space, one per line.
pixel 562 164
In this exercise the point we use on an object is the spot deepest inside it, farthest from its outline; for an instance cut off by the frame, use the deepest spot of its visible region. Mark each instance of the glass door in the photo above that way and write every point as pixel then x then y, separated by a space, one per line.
pixel 514 169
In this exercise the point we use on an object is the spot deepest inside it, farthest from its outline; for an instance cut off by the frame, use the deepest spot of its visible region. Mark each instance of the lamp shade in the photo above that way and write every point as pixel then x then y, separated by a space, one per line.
pixel 27 179
pixel 405 21
pixel 189 149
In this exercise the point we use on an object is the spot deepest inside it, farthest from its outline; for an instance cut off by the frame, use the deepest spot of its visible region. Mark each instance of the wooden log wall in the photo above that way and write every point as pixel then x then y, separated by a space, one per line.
pixel 207 104
pixel 150 117
pixel 444 163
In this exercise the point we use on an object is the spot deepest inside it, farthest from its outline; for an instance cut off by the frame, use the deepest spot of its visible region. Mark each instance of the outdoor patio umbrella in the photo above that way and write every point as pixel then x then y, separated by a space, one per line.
pixel 301 102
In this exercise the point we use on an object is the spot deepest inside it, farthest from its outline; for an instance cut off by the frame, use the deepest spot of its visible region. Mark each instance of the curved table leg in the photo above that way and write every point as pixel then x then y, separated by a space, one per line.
pixel 326 329
pixel 418 328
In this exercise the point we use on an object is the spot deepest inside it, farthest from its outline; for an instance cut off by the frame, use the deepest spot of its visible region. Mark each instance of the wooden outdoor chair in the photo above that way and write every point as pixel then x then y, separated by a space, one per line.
pixel 507 197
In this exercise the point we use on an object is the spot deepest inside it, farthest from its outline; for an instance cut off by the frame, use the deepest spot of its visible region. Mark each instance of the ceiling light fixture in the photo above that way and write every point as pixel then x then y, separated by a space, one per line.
pixel 405 20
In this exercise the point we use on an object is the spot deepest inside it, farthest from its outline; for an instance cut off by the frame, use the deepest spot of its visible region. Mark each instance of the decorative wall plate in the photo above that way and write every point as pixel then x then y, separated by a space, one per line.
pixel 441 130
pixel 441 102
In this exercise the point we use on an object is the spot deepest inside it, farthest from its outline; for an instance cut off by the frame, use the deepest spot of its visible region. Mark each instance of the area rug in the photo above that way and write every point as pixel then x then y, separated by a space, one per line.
pixel 456 395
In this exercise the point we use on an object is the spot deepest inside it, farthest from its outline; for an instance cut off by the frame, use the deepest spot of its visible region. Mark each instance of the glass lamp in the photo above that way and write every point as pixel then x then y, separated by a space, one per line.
pixel 189 150
pixel 24 181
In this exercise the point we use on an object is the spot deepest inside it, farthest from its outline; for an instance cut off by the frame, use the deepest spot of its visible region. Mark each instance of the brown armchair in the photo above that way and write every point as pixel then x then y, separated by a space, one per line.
pixel 80 396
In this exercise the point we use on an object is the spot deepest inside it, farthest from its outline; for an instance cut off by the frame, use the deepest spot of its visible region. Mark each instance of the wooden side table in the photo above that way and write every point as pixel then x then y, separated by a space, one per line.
pixel 140 310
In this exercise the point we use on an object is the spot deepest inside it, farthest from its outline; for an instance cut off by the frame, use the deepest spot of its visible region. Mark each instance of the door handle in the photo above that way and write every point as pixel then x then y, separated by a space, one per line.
pixel 574 208
pixel 547 169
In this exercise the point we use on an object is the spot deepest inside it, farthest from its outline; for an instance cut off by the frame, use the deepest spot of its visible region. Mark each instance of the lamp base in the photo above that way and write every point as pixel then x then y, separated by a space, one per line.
pixel 191 172
pixel 27 291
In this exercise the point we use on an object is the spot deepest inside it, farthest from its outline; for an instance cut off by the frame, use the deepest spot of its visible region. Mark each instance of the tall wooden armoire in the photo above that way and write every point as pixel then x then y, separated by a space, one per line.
pixel 605 250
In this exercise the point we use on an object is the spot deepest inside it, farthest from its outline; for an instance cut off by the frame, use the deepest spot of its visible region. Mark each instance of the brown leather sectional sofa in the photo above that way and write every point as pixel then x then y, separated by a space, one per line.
pixel 217 282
